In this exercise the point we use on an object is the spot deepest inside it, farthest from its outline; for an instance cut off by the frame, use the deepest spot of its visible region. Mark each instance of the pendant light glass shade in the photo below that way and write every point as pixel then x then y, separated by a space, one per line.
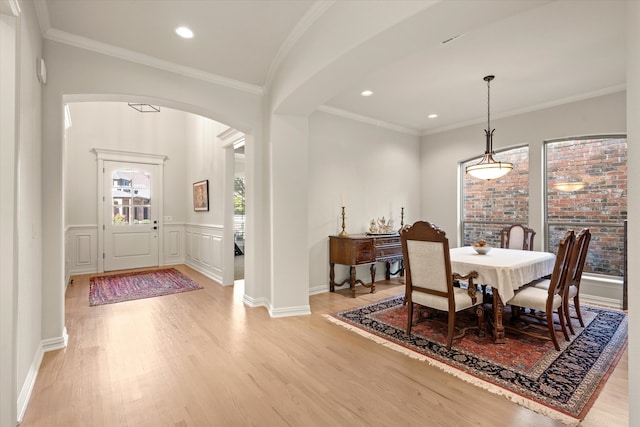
pixel 488 168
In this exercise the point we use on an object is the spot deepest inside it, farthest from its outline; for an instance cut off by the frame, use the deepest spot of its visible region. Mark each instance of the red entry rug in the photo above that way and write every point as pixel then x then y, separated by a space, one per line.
pixel 138 285
pixel 559 384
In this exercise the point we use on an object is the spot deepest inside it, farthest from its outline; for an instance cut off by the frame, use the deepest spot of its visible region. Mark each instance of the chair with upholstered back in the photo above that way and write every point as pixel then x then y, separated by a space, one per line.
pixel 550 300
pixel 429 279
pixel 580 250
pixel 517 236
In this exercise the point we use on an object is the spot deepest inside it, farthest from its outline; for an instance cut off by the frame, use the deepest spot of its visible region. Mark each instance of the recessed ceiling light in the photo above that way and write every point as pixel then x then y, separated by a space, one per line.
pixel 184 32
pixel 366 93
pixel 432 116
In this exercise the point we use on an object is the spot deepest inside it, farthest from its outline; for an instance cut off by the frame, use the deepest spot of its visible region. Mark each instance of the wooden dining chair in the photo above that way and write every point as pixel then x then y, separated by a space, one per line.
pixel 517 236
pixel 572 292
pixel 429 279
pixel 549 301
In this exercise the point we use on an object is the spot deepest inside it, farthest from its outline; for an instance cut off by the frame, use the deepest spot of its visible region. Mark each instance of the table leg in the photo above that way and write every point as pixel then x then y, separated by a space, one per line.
pixel 352 282
pixel 498 310
pixel 372 269
pixel 332 277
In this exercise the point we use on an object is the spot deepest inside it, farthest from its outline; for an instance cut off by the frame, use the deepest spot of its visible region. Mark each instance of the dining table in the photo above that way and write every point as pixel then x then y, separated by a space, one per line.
pixel 505 271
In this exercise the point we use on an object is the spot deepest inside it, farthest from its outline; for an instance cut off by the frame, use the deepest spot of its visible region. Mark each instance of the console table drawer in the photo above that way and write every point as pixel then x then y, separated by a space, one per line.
pixel 363 252
pixel 349 251
pixel 387 241
pixel 388 252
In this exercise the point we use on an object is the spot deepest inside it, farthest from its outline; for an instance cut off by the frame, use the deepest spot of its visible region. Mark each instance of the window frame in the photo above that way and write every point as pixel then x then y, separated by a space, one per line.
pixel 461 192
pixel 545 195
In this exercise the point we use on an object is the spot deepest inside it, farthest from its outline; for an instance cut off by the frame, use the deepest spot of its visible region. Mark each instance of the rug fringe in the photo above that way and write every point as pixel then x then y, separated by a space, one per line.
pixel 516 398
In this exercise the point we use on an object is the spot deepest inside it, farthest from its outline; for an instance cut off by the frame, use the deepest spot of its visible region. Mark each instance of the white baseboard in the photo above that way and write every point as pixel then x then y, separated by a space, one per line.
pixel 290 311
pixel 321 289
pixel 201 269
pixel 254 303
pixel 29 383
pixel 600 301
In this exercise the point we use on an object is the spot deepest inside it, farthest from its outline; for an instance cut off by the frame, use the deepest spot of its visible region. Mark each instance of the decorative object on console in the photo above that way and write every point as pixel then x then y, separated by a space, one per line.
pixel 381 226
pixel 488 168
pixel 343 233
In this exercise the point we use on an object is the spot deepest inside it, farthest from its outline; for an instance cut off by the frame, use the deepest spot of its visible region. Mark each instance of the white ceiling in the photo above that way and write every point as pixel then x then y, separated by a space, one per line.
pixel 543 53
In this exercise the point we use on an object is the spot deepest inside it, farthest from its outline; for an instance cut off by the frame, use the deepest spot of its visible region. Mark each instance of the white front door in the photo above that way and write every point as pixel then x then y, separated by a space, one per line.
pixel 131 218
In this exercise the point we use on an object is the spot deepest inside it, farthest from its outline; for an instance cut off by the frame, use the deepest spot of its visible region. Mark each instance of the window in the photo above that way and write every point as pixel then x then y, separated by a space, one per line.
pixel 130 197
pixel 586 187
pixel 488 206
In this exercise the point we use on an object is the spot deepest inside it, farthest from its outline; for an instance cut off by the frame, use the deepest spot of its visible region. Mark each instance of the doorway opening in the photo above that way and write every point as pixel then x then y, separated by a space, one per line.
pixel 239 211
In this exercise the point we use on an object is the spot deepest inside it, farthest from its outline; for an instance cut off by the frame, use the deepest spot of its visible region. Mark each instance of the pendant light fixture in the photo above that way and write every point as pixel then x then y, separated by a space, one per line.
pixel 488 168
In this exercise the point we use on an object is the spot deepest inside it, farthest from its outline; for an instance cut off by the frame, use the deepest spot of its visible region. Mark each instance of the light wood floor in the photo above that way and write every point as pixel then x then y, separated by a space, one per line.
pixel 203 358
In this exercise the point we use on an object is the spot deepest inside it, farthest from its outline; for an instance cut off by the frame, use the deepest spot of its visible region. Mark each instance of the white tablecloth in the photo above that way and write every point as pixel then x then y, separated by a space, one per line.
pixel 503 269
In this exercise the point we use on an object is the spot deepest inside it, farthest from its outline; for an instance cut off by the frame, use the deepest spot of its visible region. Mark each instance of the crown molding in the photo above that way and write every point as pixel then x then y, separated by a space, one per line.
pixel 312 15
pixel 532 108
pixel 150 61
pixel 369 120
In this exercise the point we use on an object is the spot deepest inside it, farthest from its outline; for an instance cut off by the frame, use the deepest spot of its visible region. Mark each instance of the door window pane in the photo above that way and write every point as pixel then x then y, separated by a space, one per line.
pixel 131 197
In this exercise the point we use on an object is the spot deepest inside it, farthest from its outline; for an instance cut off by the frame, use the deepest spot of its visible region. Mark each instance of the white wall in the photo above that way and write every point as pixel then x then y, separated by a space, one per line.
pixel 205 244
pixel 377 171
pixel 116 126
pixel 9 49
pixel 205 160
pixel 22 348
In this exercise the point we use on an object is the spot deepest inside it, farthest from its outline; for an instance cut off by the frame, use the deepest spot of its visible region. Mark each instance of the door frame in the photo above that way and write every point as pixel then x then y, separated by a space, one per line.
pixel 103 155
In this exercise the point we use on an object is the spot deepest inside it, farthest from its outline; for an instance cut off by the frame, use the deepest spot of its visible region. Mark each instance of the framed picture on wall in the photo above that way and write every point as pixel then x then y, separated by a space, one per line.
pixel 201 195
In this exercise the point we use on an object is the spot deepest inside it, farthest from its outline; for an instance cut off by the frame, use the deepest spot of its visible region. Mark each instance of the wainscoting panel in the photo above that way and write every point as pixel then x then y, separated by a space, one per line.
pixel 204 253
pixel 174 243
pixel 198 246
pixel 82 249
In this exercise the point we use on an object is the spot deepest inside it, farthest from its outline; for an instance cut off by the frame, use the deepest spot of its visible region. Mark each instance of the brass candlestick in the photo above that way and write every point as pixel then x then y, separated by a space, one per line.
pixel 343 233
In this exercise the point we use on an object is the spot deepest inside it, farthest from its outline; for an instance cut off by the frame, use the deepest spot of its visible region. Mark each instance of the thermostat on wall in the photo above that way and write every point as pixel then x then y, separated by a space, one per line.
pixel 41 70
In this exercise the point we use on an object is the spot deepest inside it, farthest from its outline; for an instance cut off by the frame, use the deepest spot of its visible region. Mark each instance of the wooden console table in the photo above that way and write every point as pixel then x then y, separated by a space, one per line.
pixel 363 249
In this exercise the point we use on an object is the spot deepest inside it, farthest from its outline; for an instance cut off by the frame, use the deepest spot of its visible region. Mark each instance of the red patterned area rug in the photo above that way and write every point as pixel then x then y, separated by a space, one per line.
pixel 138 285
pixel 559 384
